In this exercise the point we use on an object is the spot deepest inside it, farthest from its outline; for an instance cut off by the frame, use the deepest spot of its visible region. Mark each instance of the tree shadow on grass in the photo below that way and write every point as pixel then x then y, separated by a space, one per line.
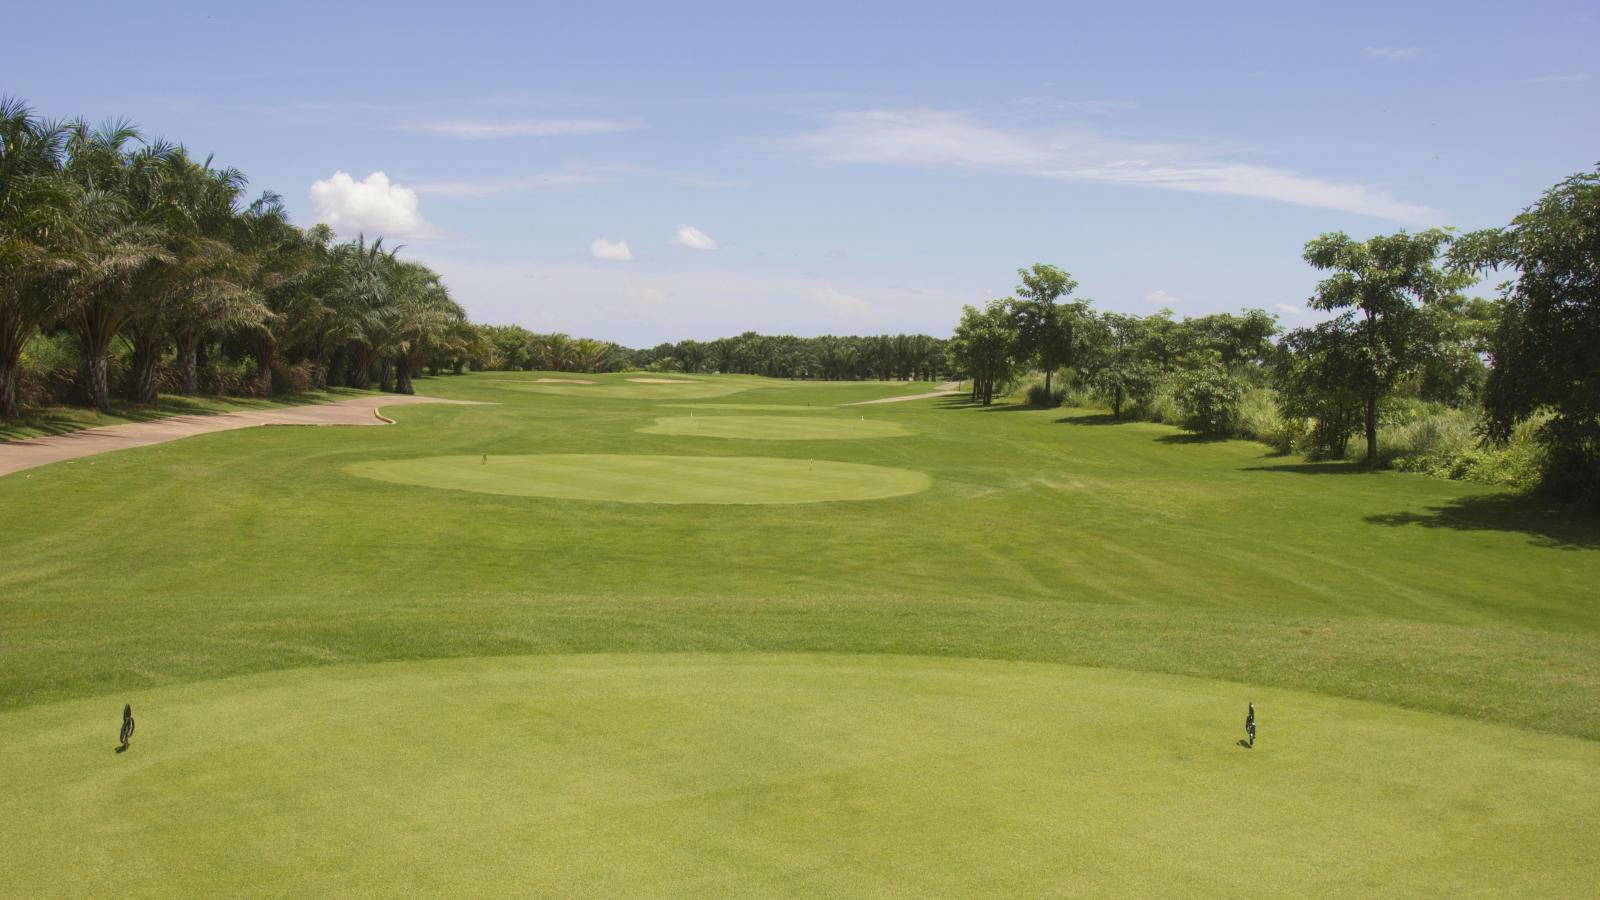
pixel 1189 437
pixel 1313 468
pixel 1094 419
pixel 1546 524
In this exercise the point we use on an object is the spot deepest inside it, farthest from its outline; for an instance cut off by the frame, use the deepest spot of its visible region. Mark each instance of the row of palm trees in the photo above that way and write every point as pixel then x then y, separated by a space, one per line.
pixel 114 237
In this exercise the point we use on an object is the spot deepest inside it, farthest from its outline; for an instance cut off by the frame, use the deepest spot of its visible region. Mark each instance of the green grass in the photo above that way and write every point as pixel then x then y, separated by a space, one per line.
pixel 811 775
pixel 1426 654
pixel 776 428
pixel 650 479
pixel 67 419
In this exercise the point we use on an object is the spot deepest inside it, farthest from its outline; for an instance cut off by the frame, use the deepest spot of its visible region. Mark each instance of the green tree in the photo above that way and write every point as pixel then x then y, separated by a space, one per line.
pixel 1045 328
pixel 1385 281
pixel 1546 346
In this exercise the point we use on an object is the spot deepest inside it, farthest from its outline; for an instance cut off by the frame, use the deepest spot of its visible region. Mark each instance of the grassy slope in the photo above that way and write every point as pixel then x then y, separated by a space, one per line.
pixel 1046 536
pixel 67 419
pixel 747 775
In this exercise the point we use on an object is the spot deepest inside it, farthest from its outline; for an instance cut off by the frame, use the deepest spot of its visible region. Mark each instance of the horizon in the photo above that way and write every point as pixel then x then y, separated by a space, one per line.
pixel 660 175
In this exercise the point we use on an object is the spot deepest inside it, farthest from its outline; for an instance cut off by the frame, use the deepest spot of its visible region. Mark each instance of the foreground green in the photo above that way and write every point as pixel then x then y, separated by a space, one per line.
pixel 798 775
pixel 1045 535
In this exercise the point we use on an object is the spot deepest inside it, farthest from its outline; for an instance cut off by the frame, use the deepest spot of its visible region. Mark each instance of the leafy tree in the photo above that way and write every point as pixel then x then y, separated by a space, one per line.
pixel 1114 361
pixel 1319 380
pixel 985 346
pixel 1385 281
pixel 1044 328
pixel 1546 345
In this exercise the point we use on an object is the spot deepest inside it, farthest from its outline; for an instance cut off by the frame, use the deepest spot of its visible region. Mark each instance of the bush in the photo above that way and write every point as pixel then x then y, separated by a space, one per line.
pixel 1038 396
pixel 1210 399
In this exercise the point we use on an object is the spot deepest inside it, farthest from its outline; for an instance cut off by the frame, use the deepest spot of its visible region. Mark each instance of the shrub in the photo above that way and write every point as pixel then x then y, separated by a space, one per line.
pixel 1210 399
pixel 1038 396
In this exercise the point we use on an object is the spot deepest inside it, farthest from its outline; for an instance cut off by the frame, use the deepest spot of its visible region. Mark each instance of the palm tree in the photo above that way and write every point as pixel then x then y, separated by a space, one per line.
pixel 36 233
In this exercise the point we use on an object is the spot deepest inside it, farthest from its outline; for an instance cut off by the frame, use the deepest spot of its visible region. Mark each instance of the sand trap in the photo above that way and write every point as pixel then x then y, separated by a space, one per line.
pixel 945 390
pixel 663 381
pixel 561 381
pixel 363 410
pixel 650 479
pixel 775 428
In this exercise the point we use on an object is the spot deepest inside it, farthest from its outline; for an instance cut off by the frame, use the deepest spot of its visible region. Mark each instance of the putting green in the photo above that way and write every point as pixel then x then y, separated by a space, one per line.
pixel 799 775
pixel 776 428
pixel 650 479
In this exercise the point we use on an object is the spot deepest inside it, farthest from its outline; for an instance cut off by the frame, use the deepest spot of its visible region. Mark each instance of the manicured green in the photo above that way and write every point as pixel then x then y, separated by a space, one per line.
pixel 776 428
pixel 928 728
pixel 793 775
pixel 650 479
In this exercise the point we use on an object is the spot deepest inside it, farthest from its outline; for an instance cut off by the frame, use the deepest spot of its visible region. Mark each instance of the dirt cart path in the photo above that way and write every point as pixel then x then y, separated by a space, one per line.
pixel 18 455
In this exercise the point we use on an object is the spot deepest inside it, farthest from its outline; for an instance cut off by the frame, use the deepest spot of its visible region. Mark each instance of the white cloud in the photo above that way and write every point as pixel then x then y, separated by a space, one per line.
pixel 938 138
pixel 1289 310
pixel 693 238
pixel 1160 298
pixel 1556 79
pixel 614 251
pixel 373 206
pixel 1395 52
pixel 486 129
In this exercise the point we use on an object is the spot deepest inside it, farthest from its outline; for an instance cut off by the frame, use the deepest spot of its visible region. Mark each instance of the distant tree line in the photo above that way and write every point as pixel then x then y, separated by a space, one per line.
pixel 1504 389
pixel 128 266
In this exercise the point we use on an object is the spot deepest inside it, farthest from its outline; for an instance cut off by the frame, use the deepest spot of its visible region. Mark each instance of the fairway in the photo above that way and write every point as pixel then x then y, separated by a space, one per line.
pixel 781 775
pixel 651 479
pixel 776 428
pixel 541 644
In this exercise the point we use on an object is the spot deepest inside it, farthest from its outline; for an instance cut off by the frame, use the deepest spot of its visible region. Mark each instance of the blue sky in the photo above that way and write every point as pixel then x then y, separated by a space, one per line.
pixel 815 168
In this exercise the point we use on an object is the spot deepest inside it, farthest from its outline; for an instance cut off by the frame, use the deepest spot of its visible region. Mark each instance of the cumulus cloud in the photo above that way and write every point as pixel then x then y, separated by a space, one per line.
pixel 1288 309
pixel 939 138
pixel 373 206
pixel 488 129
pixel 612 251
pixel 693 238
pixel 1395 52
pixel 1160 298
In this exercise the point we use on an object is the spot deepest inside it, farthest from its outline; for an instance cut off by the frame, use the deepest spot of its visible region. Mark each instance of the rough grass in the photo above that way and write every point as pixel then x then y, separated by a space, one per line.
pixel 757 775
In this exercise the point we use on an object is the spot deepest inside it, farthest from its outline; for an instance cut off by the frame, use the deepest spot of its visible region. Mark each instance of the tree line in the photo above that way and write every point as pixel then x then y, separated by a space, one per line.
pixel 1404 351
pixel 154 262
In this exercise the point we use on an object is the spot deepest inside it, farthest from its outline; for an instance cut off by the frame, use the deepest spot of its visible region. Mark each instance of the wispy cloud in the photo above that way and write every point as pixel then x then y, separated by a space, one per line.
pixel 940 138
pixel 571 176
pixel 1289 309
pixel 1395 52
pixel 1556 79
pixel 610 251
pixel 640 307
pixel 488 129
pixel 693 238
